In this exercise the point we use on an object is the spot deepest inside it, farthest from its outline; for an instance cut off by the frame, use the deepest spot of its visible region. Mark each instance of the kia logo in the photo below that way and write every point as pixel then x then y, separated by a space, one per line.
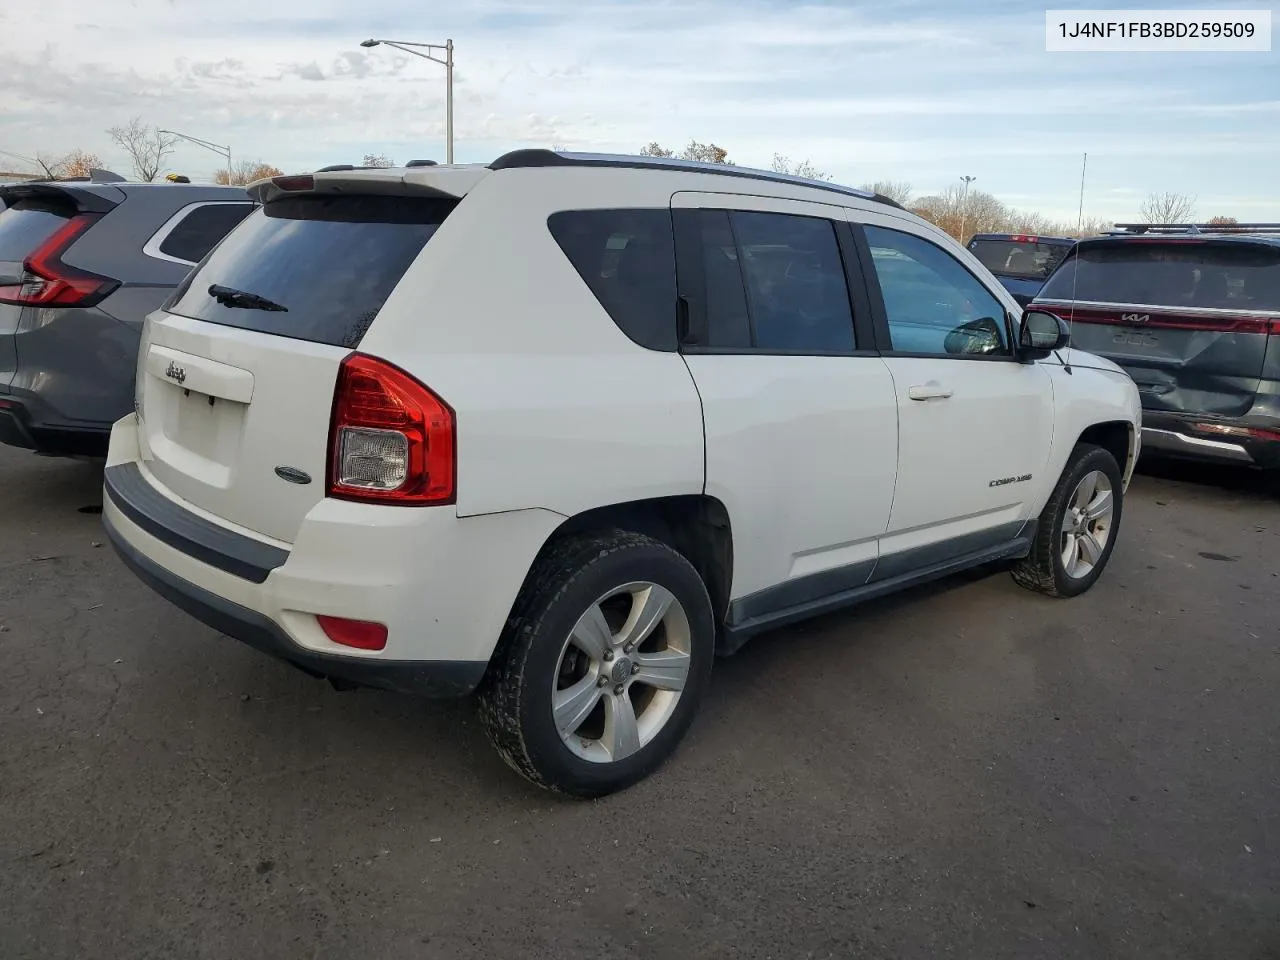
pixel 1136 317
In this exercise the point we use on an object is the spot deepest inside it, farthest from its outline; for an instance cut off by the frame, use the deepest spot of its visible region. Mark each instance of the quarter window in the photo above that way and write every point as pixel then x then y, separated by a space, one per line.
pixel 200 230
pixel 627 258
pixel 933 304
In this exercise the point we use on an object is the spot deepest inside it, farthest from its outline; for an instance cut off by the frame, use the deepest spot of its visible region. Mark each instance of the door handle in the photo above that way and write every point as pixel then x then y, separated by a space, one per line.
pixel 929 391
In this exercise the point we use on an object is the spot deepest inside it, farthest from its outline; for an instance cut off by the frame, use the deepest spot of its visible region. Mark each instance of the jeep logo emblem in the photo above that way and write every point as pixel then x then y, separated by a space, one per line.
pixel 175 372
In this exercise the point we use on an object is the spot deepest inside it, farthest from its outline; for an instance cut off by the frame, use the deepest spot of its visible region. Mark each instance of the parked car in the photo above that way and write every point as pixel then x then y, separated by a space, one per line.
pixel 1019 261
pixel 1193 314
pixel 561 428
pixel 82 262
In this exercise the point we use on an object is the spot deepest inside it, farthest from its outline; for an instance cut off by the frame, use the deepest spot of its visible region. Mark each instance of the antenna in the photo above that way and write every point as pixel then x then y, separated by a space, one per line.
pixel 1080 216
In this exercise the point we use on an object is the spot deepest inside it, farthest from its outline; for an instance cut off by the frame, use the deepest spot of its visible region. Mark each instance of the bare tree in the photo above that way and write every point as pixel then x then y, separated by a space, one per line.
pixel 145 145
pixel 897 191
pixel 955 213
pixel 1223 221
pixel 79 163
pixel 377 160
pixel 783 164
pixel 1167 207
pixel 704 152
pixel 247 171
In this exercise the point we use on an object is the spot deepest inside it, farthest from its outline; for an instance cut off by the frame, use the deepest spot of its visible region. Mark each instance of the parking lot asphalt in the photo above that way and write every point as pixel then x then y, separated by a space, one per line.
pixel 969 770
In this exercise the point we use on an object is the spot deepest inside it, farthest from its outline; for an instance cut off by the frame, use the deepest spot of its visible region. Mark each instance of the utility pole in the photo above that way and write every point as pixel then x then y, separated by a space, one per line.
pixel 964 205
pixel 432 53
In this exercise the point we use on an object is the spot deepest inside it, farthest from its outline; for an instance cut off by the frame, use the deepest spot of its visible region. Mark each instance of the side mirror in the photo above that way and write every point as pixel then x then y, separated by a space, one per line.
pixel 1041 333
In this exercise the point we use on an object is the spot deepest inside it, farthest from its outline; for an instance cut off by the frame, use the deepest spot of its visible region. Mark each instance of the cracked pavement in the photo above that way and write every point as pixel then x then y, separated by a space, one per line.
pixel 968 770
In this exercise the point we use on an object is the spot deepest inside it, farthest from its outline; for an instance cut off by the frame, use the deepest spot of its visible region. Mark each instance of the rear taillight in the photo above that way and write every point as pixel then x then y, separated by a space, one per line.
pixel 48 282
pixel 1230 430
pixel 391 439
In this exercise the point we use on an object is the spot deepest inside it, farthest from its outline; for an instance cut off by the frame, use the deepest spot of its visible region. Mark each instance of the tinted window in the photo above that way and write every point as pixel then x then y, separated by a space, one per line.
pixel 1216 275
pixel 26 225
pixel 201 229
pixel 725 295
pixel 1023 259
pixel 934 305
pixel 330 261
pixel 628 259
pixel 795 283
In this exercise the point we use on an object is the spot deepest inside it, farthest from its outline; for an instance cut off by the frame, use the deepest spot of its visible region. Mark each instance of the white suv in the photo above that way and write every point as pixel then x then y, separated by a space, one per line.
pixel 560 429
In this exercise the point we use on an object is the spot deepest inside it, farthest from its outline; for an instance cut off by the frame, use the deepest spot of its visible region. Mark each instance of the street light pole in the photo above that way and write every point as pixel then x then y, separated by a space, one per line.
pixel 215 147
pixel 964 205
pixel 406 47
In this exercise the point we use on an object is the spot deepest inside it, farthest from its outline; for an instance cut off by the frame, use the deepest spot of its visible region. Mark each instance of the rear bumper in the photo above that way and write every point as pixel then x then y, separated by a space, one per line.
pixel 436 678
pixel 442 585
pixel 24 424
pixel 1176 435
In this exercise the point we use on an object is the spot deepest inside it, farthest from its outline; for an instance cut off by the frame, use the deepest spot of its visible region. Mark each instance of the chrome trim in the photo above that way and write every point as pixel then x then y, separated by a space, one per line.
pixel 1157 308
pixel 152 246
pixel 1154 439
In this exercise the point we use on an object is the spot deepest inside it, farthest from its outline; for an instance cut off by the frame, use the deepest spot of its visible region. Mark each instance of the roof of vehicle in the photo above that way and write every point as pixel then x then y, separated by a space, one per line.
pixel 518 159
pixel 455 180
pixel 1267 234
pixel 1022 237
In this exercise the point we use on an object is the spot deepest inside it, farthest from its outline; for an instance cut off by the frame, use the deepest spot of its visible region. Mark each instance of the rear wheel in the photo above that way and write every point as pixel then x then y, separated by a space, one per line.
pixel 602 665
pixel 1078 526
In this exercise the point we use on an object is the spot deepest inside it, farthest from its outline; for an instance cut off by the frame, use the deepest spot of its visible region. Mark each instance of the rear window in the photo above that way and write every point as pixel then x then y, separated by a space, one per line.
pixel 1022 259
pixel 329 261
pixel 628 259
pixel 1196 274
pixel 200 230
pixel 26 225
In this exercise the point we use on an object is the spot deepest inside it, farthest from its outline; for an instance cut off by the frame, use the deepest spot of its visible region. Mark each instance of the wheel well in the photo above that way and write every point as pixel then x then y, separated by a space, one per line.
pixel 1116 438
pixel 696 526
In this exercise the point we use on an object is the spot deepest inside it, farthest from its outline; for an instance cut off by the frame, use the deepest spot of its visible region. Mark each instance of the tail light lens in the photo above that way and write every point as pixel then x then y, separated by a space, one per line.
pixel 391 440
pixel 361 634
pixel 48 282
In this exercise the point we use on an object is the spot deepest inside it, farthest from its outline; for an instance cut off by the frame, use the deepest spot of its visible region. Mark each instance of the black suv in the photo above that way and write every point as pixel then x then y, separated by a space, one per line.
pixel 1020 262
pixel 1192 312
pixel 82 262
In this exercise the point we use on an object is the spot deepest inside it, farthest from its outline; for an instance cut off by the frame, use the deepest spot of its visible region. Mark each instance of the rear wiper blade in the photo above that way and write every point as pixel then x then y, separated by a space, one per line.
pixel 231 297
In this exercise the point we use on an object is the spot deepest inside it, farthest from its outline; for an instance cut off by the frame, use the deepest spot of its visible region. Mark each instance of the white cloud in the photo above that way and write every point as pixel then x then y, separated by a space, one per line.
pixel 865 91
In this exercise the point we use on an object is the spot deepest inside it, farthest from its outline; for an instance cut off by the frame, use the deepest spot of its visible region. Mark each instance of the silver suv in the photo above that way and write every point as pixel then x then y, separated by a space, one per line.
pixel 82 262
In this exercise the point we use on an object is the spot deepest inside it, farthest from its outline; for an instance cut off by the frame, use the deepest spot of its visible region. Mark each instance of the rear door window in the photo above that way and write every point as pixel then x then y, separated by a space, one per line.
pixel 200 230
pixel 627 257
pixel 26 225
pixel 316 267
pixel 1192 274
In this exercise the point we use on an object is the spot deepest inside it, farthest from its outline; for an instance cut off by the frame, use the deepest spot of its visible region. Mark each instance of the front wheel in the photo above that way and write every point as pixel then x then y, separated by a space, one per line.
pixel 602 665
pixel 1078 526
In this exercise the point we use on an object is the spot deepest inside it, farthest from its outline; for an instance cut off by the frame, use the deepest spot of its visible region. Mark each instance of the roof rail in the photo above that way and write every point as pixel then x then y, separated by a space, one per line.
pixel 538 157
pixel 1129 228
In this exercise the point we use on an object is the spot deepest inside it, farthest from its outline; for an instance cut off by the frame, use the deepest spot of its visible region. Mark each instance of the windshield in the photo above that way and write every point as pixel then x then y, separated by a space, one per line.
pixel 1177 273
pixel 314 267
pixel 1028 260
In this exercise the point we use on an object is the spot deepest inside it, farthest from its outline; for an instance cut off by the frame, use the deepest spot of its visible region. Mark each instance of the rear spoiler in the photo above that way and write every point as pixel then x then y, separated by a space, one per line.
pixel 445 183
pixel 100 200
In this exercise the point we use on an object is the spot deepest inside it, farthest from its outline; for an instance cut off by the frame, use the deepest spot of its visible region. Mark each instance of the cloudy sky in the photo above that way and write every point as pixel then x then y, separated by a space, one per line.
pixel 923 91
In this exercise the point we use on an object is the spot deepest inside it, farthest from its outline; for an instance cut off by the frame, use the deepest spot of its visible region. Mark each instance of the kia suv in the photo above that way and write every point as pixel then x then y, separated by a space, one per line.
pixel 561 428
pixel 82 262
pixel 1020 261
pixel 1193 314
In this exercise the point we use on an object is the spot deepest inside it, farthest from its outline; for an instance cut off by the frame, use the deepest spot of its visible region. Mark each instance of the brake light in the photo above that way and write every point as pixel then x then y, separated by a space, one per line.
pixel 48 282
pixel 1229 430
pixel 1023 238
pixel 391 439
pixel 303 181
pixel 361 634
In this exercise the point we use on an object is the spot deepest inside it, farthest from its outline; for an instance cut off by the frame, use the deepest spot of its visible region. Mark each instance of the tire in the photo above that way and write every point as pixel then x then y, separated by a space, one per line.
pixel 550 657
pixel 1047 569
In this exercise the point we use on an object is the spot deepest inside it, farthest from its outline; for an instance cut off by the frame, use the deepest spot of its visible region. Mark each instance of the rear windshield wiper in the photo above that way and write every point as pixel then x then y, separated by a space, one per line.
pixel 231 297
